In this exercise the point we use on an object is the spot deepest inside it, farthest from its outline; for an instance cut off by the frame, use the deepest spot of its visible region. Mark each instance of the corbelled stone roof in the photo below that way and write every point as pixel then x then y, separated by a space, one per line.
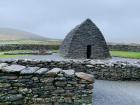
pixel 86 34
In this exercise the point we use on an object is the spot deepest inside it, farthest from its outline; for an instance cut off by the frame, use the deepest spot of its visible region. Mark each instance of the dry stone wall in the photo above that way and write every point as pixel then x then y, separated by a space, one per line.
pixel 28 47
pixel 31 85
pixel 56 47
pixel 31 82
pixel 101 70
pixel 119 47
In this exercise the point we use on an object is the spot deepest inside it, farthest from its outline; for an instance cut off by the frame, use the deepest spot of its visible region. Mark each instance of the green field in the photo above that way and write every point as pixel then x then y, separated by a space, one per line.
pixel 2 55
pixel 11 56
pixel 38 42
pixel 125 54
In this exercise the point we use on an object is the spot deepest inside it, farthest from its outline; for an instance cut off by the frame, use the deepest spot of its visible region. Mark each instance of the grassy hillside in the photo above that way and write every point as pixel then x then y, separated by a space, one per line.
pixel 14 34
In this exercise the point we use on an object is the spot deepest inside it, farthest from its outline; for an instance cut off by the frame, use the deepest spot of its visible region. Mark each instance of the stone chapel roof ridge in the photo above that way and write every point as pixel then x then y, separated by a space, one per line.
pixel 88 22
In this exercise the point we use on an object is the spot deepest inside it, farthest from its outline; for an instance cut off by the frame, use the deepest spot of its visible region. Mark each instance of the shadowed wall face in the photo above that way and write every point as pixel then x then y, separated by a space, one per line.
pixel 85 41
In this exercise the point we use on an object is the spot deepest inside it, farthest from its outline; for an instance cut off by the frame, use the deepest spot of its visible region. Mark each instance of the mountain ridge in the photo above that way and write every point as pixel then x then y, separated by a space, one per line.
pixel 15 34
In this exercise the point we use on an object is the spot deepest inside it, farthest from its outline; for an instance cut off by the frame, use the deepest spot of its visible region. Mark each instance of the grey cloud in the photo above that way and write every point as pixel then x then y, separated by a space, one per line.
pixel 119 20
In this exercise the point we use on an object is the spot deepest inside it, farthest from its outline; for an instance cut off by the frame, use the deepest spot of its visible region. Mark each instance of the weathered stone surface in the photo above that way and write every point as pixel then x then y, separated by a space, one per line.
pixel 85 76
pixel 85 41
pixel 55 71
pixel 42 71
pixel 60 83
pixel 39 89
pixel 48 80
pixel 13 97
pixel 69 72
pixel 29 70
pixel 107 70
pixel 47 89
pixel 89 66
pixel 13 68
pixel 3 65
pixel 4 85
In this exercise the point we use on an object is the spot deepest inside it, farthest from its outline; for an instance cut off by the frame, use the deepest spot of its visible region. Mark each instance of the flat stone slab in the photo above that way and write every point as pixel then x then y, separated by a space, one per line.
pixel 13 97
pixel 13 68
pixel 85 76
pixel 55 71
pixel 89 66
pixel 29 70
pixel 69 72
pixel 41 71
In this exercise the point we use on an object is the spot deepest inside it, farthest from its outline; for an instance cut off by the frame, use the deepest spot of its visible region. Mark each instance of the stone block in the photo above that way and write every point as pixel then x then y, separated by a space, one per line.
pixel 42 71
pixel 13 68
pixel 29 70
pixel 85 76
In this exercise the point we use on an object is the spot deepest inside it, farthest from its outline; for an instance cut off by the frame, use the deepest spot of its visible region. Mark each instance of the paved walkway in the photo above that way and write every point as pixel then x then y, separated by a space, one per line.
pixel 116 93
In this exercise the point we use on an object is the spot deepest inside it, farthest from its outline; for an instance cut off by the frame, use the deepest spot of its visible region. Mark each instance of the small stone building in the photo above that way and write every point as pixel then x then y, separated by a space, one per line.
pixel 85 41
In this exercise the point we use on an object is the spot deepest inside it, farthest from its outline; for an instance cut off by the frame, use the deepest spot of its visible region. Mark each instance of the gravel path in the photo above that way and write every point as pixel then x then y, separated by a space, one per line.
pixel 116 93
pixel 57 57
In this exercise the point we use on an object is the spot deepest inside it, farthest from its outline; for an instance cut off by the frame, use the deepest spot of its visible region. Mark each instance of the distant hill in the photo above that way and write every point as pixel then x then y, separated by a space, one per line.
pixel 14 34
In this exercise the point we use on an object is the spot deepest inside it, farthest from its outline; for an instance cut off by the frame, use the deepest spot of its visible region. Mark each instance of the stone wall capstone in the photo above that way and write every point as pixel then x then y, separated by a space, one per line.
pixel 101 70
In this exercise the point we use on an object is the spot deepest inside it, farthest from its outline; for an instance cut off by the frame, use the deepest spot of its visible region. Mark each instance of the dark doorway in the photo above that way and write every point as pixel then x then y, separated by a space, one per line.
pixel 88 51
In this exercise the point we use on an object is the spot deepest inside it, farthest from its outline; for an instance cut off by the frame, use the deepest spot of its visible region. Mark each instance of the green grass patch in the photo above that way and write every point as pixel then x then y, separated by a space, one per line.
pixel 125 54
pixel 2 55
pixel 10 56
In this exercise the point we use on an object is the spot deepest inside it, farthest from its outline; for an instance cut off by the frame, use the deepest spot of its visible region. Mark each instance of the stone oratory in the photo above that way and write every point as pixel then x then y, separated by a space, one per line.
pixel 85 41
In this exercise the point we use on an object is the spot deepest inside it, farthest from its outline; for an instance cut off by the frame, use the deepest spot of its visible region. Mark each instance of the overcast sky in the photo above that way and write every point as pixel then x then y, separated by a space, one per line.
pixel 119 20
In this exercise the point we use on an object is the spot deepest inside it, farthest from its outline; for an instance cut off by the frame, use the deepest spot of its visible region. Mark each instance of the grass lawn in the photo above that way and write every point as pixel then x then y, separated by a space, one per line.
pixel 2 55
pixel 125 54
pixel 10 56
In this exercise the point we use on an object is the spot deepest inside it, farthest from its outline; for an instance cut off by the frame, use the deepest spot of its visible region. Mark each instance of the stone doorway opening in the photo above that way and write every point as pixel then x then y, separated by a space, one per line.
pixel 89 51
